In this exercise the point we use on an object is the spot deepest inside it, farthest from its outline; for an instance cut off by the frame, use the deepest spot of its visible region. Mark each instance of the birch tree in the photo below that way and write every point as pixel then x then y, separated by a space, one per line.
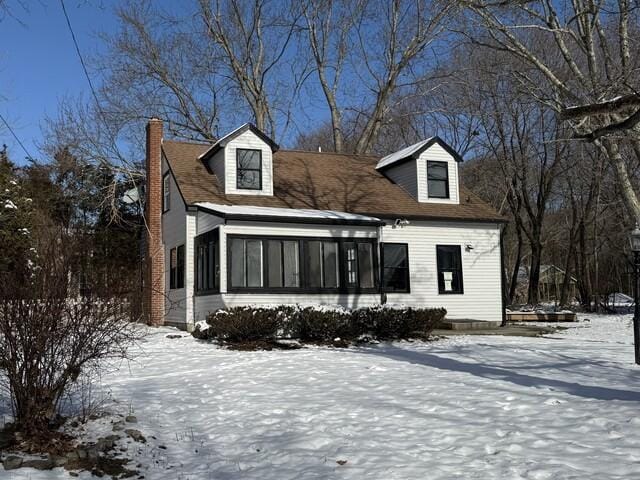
pixel 585 64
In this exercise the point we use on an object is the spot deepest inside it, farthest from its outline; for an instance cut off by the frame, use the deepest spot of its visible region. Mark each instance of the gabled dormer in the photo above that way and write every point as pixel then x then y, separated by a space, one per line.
pixel 243 161
pixel 428 170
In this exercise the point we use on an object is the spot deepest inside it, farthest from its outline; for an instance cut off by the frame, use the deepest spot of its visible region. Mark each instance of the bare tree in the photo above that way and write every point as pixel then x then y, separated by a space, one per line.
pixel 384 46
pixel 255 40
pixel 584 55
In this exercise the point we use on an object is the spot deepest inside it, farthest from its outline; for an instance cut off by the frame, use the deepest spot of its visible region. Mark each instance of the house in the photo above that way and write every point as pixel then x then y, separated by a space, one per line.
pixel 549 284
pixel 243 222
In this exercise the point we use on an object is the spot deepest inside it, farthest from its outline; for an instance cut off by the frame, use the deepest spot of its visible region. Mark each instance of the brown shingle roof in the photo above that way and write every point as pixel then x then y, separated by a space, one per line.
pixel 326 181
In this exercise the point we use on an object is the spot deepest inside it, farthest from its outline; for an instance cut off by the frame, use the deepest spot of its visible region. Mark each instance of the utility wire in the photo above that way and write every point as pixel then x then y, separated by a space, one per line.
pixel 84 67
pixel 17 139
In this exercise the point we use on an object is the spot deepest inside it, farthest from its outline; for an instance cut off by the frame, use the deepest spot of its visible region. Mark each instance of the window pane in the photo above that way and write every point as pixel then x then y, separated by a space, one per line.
pixel 237 263
pixel 248 159
pixel 449 261
pixel 365 265
pixel 395 255
pixel 211 266
pixel 180 267
pixel 200 283
pixel 330 265
pixel 396 268
pixel 249 179
pixel 254 263
pixel 274 260
pixel 350 258
pixel 291 264
pixel 437 179
pixel 314 264
pixel 173 263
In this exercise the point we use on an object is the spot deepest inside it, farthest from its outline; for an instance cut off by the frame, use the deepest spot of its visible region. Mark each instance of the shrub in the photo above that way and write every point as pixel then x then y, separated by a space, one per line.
pixel 243 324
pixel 314 324
pixel 388 323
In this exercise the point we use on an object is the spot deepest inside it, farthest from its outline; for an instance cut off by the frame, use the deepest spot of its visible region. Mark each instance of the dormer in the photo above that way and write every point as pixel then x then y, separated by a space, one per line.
pixel 427 170
pixel 243 161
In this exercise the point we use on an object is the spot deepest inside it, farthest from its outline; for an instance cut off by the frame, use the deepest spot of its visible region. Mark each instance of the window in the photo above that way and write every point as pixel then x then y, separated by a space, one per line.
pixel 176 267
pixel 395 261
pixel 207 263
pixel 248 169
pixel 309 265
pixel 438 179
pixel 322 261
pixel 166 193
pixel 449 269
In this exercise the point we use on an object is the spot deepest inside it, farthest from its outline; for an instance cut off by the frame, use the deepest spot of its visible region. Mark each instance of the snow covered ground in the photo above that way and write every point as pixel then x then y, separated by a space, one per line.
pixel 469 407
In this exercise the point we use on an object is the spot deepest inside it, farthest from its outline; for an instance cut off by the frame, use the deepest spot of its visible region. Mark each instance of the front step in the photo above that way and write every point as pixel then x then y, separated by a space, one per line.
pixel 467 324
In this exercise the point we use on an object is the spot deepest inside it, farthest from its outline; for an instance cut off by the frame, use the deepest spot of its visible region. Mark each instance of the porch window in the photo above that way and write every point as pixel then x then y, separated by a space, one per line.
pixel 207 263
pixel 299 264
pixel 449 261
pixel 176 267
pixel 248 169
pixel 437 179
pixel 395 261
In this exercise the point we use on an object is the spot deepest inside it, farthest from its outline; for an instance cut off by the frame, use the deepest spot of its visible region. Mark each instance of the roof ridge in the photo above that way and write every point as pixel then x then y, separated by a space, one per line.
pixel 330 153
pixel 188 142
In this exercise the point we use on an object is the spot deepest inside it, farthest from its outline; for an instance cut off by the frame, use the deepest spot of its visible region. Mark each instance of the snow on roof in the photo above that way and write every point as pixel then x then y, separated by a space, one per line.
pixel 401 154
pixel 298 213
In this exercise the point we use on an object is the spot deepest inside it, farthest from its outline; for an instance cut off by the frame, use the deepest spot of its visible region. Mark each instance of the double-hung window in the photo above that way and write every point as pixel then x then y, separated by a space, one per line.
pixel 248 169
pixel 207 263
pixel 449 261
pixel 395 267
pixel 176 267
pixel 437 179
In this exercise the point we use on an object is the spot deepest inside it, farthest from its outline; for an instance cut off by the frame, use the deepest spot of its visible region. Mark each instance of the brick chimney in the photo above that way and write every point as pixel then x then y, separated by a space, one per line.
pixel 154 255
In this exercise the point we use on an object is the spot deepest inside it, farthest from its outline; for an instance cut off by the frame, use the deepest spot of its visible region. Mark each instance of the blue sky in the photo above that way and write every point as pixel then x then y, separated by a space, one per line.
pixel 39 65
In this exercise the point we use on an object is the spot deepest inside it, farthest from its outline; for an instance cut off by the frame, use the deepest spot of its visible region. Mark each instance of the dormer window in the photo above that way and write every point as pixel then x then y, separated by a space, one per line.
pixel 249 169
pixel 437 179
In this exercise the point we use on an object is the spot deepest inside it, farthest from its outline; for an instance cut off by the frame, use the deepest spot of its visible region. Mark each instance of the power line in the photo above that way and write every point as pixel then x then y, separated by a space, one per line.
pixel 17 139
pixel 84 67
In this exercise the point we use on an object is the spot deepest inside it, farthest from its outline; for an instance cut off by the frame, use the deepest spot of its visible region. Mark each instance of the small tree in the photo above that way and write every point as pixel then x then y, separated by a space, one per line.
pixel 48 334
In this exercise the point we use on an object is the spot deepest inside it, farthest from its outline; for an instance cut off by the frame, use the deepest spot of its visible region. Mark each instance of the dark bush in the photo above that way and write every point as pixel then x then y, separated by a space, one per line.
pixel 310 324
pixel 313 325
pixel 387 323
pixel 243 324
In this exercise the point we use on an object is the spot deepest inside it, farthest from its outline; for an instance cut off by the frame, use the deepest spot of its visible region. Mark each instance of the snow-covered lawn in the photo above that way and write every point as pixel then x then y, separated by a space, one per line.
pixel 469 407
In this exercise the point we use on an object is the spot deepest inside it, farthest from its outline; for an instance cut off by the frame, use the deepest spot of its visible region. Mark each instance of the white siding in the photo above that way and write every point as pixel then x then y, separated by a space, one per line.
pixel 405 175
pixel 217 166
pixel 249 140
pixel 481 299
pixel 439 154
pixel 174 225
pixel 206 222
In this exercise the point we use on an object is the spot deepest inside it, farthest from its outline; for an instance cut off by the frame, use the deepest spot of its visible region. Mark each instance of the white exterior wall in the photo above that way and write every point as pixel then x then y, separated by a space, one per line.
pixel 405 174
pixel 248 140
pixel 481 299
pixel 174 233
pixel 481 274
pixel 438 154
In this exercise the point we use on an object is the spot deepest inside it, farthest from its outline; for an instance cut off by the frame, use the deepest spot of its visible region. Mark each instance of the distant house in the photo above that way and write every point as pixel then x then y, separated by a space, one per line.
pixel 243 222
pixel 550 284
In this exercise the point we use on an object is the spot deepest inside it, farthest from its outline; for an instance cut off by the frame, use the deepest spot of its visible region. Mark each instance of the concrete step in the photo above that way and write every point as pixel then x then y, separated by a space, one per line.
pixel 467 324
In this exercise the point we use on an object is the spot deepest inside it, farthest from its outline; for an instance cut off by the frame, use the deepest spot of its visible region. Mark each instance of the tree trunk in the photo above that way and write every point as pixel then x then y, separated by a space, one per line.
pixel 612 151
pixel 513 284
pixel 534 273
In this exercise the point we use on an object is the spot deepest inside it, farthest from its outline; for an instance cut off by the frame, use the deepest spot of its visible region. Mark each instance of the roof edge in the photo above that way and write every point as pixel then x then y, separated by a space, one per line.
pixel 448 148
pixel 221 143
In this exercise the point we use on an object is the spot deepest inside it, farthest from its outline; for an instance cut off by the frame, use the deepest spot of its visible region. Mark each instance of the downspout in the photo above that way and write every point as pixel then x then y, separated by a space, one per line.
pixel 502 275
pixel 383 295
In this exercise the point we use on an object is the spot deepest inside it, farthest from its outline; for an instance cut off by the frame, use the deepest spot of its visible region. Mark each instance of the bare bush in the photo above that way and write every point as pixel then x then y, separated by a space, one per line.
pixel 50 337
